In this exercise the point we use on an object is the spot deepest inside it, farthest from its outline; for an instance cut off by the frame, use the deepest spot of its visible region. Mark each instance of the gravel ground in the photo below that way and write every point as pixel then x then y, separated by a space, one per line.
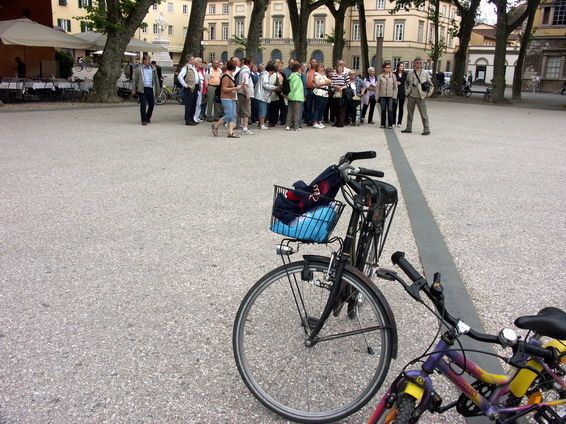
pixel 126 250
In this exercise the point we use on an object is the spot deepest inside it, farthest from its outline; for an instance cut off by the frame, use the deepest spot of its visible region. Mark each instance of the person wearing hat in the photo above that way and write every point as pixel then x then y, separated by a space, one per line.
pixel 418 87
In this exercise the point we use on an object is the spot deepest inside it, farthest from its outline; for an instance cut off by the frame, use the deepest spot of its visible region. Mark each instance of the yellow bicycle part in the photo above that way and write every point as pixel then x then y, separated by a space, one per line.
pixel 414 390
pixel 525 377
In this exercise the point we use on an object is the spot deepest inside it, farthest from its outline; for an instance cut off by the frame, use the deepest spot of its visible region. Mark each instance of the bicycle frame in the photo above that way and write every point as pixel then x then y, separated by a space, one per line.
pixel 418 384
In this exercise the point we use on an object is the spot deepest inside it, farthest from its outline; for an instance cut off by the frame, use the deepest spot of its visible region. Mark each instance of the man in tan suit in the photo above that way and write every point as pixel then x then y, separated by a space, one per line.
pixel 146 83
pixel 416 95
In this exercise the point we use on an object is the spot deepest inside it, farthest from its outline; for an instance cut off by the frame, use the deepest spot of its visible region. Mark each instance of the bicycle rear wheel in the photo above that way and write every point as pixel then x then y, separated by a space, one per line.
pixel 330 380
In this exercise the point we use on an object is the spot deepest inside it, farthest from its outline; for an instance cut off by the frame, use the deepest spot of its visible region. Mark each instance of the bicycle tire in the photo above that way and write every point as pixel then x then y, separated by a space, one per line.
pixel 401 412
pixel 274 375
pixel 161 98
pixel 88 68
pixel 468 93
pixel 78 68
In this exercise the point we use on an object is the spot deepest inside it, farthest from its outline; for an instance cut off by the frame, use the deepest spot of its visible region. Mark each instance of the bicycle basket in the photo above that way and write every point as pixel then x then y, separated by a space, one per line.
pixel 314 225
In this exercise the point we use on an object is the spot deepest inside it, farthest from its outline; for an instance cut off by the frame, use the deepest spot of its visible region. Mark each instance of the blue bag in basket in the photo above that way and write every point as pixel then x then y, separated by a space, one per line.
pixel 313 225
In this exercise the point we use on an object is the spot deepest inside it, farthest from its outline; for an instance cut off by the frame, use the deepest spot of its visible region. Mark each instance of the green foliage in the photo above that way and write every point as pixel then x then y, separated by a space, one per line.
pixel 66 63
pixel 101 14
pixel 331 38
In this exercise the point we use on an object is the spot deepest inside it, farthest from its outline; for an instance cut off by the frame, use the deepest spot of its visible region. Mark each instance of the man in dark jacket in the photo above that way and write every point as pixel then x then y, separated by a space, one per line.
pixel 145 82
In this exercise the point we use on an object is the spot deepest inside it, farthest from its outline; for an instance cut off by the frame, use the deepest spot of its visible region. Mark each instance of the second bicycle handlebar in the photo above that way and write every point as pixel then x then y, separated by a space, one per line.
pixel 398 258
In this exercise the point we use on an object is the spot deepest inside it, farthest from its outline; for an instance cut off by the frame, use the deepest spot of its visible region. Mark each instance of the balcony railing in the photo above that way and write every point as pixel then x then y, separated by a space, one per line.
pixel 283 41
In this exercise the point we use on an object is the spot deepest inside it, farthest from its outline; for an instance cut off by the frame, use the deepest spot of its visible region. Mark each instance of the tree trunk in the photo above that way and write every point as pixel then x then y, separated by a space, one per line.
pixel 500 52
pixel 299 24
pixel 194 31
pixel 467 22
pixel 339 18
pixel 364 37
pixel 256 18
pixel 525 41
pixel 118 37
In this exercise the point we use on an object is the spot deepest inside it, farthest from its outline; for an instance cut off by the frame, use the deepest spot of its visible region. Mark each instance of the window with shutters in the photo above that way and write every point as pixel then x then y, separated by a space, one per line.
pixel 65 24
pixel 552 68
pixel 420 32
pixel 185 9
pixel 379 30
pixel 356 31
pixel 225 32
pixel 319 31
pixel 212 32
pixel 277 28
pixel 356 62
pixel 240 28
pixel 399 31
pixel 169 29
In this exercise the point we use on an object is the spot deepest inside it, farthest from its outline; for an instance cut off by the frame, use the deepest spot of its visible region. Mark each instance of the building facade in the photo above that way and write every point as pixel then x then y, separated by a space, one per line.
pixel 405 35
pixel 546 55
pixel 481 54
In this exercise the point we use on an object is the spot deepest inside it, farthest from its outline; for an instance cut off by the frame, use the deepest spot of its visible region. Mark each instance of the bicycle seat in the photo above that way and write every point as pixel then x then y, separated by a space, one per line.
pixel 549 322
pixel 388 192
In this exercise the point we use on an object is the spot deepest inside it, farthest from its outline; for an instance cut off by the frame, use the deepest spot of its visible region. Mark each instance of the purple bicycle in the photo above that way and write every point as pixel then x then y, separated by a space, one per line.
pixel 535 385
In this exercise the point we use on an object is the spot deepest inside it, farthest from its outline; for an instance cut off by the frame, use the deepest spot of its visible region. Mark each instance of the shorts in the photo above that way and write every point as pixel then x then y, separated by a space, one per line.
pixel 244 106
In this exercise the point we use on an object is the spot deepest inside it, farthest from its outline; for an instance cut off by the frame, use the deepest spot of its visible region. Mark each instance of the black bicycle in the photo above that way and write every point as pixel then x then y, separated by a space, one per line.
pixel 299 351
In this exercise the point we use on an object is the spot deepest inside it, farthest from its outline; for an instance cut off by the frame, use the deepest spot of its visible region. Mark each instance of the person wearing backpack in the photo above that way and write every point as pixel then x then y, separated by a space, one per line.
pixel 228 97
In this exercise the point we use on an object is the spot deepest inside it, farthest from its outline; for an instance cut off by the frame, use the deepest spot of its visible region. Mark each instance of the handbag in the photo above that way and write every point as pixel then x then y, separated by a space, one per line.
pixel 425 86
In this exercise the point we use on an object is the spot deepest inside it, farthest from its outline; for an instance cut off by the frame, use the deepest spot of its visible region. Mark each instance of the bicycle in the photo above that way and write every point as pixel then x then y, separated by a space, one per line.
pixel 537 373
pixel 487 95
pixel 167 92
pixel 83 66
pixel 449 92
pixel 290 334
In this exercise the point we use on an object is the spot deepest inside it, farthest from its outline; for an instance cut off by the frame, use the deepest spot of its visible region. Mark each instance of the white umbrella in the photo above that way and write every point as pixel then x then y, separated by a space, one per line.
pixel 24 32
pixel 98 41
pixel 125 53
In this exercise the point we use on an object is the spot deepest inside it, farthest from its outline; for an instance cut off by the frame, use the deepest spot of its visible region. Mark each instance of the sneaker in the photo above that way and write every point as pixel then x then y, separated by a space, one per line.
pixel 322 126
pixel 318 127
pixel 288 128
pixel 247 132
pixel 407 131
pixel 298 129
pixel 389 127
pixel 264 127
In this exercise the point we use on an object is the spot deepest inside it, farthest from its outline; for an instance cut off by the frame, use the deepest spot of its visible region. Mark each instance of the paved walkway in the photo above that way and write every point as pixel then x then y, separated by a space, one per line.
pixel 127 249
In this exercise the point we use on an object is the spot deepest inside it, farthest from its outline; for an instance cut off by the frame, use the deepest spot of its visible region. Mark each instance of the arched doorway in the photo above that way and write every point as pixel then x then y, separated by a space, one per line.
pixel 224 57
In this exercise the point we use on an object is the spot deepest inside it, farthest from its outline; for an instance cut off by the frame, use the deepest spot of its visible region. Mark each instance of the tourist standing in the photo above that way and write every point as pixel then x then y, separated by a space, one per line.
pixel 417 87
pixel 320 94
pixel 338 102
pixel 309 115
pixel 245 95
pixel 401 77
pixel 188 78
pixel 296 98
pixel 386 92
pixel 263 90
pixel 201 89
pixel 212 83
pixel 228 98
pixel 146 84
pixel 370 83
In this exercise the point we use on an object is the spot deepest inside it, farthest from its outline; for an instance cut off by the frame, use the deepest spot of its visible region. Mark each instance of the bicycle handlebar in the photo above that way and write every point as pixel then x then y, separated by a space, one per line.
pixel 352 156
pixel 421 284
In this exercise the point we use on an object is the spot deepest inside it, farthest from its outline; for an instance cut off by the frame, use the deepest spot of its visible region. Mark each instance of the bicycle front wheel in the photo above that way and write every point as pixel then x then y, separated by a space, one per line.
pixel 325 382
pixel 161 97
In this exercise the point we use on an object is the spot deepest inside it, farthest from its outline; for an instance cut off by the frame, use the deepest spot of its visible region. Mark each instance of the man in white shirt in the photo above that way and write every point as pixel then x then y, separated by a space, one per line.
pixel 189 78
pixel 245 95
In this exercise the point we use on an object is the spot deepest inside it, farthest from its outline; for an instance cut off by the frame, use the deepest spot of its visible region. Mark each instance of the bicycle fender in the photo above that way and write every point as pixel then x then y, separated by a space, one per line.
pixel 390 317
pixel 525 377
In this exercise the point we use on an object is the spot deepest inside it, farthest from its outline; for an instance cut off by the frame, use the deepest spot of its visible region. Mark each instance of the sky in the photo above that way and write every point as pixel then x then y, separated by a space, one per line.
pixel 488 12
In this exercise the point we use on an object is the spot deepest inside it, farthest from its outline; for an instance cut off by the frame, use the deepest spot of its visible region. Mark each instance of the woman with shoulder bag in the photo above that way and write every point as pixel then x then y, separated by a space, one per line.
pixel 369 96
pixel 339 82
pixel 320 92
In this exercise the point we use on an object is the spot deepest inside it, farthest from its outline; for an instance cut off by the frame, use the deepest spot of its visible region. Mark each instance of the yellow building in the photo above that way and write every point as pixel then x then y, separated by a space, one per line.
pixel 405 34
pixel 546 55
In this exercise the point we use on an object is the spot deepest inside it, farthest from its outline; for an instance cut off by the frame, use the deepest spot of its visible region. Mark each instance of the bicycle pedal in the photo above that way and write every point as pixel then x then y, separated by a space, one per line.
pixel 547 415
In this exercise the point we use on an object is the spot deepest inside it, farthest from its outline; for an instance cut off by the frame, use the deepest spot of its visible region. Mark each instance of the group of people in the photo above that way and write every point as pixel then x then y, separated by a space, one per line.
pixel 240 94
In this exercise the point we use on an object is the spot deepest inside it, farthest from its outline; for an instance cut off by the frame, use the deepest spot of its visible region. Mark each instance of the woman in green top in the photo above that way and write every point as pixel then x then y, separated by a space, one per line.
pixel 295 98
